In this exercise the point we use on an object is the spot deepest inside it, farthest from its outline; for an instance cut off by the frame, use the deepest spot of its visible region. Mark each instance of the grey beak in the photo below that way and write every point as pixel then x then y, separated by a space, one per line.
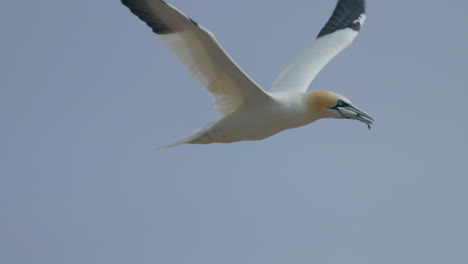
pixel 352 112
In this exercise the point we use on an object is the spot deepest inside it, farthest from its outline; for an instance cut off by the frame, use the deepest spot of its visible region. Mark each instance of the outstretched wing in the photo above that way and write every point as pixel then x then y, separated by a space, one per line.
pixel 338 33
pixel 201 54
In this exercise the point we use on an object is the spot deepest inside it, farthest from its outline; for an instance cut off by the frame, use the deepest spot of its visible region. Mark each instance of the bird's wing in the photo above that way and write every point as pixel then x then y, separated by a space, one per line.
pixel 198 50
pixel 338 33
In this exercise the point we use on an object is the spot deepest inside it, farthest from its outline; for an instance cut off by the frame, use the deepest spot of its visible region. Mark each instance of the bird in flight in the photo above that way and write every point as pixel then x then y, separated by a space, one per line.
pixel 247 112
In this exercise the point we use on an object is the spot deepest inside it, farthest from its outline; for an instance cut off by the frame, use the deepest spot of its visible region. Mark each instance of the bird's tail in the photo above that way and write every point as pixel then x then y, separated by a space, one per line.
pixel 195 138
pixel 177 143
pixel 183 141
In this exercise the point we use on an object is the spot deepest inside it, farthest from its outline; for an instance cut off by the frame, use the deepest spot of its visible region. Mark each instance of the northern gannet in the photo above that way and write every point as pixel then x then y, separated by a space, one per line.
pixel 247 112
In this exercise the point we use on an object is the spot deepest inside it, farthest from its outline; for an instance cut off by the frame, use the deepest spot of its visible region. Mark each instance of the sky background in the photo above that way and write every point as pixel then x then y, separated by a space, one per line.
pixel 88 93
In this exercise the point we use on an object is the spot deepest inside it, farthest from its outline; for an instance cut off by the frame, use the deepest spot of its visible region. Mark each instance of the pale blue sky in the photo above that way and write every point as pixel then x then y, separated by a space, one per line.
pixel 88 92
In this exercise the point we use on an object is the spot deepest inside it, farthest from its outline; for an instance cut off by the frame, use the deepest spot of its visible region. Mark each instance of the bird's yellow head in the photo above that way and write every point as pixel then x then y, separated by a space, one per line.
pixel 326 104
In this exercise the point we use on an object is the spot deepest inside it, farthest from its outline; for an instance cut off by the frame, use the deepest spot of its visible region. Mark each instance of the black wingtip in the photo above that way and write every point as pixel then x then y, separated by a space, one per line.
pixel 345 15
pixel 141 10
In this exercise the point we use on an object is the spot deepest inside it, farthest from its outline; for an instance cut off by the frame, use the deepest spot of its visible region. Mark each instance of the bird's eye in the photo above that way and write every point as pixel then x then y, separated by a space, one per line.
pixel 341 103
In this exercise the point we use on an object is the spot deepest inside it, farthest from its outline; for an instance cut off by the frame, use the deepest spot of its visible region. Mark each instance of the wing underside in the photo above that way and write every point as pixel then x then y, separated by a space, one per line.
pixel 197 49
pixel 337 34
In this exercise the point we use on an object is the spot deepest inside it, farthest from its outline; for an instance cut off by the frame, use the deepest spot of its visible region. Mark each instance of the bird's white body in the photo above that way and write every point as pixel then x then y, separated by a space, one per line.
pixel 247 111
pixel 283 111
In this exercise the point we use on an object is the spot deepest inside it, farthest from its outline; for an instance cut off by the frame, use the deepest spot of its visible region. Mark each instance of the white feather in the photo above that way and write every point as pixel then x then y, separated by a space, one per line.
pixel 197 49
pixel 304 68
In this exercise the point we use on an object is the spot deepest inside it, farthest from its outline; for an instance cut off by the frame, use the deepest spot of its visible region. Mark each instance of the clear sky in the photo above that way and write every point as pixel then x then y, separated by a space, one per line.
pixel 88 92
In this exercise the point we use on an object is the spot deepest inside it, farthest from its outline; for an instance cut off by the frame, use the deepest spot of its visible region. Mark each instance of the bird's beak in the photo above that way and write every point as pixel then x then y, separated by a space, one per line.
pixel 352 112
